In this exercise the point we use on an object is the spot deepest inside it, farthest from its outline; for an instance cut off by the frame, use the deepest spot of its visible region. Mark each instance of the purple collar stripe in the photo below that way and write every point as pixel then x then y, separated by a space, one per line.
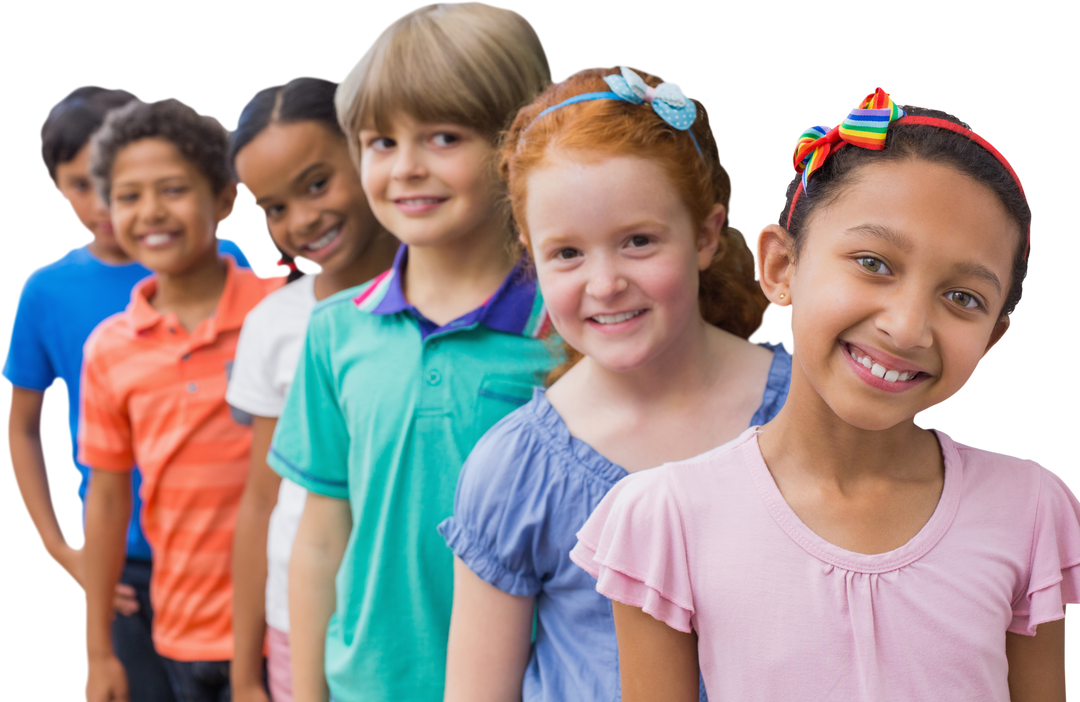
pixel 515 308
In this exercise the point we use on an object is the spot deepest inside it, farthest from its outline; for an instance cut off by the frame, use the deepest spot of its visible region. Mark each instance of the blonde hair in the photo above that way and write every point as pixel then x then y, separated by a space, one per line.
pixel 469 64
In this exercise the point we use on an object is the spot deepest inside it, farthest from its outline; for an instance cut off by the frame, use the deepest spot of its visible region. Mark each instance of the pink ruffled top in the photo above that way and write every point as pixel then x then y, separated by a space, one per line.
pixel 710 545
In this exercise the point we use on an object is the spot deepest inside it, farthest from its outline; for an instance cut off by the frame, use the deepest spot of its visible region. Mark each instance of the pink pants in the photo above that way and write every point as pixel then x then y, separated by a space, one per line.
pixel 279 665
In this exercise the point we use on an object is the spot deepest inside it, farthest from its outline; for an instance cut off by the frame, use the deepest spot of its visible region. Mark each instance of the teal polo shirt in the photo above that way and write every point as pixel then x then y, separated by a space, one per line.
pixel 383 411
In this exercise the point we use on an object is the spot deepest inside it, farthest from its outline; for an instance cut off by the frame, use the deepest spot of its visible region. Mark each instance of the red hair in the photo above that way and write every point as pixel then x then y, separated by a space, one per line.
pixel 728 295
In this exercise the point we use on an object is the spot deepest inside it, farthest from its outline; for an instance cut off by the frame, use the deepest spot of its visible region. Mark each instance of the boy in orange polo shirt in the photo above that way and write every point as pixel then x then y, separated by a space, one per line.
pixel 154 380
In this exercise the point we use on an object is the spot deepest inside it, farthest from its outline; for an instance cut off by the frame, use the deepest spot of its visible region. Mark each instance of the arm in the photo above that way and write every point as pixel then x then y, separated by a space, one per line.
pixel 249 567
pixel 108 504
pixel 656 662
pixel 1037 664
pixel 28 459
pixel 489 645
pixel 317 552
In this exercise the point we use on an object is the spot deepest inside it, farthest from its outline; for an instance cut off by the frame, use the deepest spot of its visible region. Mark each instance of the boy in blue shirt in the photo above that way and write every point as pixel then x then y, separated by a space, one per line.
pixel 60 305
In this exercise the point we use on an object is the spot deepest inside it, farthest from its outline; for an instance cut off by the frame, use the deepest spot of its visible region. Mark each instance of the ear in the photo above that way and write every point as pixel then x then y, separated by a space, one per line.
pixel 709 242
pixel 225 201
pixel 1000 328
pixel 776 263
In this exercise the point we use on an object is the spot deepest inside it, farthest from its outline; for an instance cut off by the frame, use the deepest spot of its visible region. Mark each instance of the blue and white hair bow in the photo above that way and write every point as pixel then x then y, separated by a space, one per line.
pixel 666 99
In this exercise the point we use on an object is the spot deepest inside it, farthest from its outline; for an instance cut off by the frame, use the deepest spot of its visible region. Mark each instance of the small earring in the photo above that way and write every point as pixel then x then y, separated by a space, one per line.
pixel 782 296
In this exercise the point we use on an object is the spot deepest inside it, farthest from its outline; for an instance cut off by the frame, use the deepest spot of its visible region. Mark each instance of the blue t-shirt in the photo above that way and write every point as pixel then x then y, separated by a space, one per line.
pixel 60 305
pixel 526 489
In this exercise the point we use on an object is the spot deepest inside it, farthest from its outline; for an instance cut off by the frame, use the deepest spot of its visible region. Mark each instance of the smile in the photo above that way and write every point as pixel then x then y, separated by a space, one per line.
pixel 615 318
pixel 157 240
pixel 323 241
pixel 880 371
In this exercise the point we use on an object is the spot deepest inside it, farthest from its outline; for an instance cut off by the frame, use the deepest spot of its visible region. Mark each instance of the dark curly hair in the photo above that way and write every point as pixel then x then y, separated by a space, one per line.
pixel 202 140
pixel 928 143
pixel 73 120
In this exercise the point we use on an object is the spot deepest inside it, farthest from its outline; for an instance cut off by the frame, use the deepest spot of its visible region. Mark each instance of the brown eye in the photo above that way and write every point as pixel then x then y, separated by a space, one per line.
pixel 965 300
pixel 873 265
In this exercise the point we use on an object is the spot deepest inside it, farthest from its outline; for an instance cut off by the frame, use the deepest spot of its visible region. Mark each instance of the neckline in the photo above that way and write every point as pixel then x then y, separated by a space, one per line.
pixel 917 547
pixel 581 452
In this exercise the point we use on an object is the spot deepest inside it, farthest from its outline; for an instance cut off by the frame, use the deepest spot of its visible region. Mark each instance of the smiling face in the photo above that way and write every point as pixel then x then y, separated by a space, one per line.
pixel 617 256
pixel 163 210
pixel 302 177
pixel 430 184
pixel 897 290
pixel 73 182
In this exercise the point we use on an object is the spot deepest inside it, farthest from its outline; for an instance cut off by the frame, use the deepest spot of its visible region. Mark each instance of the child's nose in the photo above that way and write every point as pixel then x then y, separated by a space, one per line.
pixel 907 319
pixel 408 163
pixel 152 208
pixel 605 281
pixel 303 220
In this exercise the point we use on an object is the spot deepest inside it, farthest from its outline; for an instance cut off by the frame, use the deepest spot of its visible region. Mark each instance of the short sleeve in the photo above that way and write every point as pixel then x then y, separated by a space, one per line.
pixel 634 544
pixel 28 365
pixel 104 424
pixel 1055 558
pixel 227 247
pixel 311 442
pixel 501 506
pixel 252 389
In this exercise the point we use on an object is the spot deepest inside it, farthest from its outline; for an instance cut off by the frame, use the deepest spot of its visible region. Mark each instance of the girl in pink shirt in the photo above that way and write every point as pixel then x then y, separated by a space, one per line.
pixel 840 552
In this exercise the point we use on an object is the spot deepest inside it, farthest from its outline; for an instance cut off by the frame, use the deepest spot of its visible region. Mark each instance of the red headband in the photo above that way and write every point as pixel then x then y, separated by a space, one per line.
pixel 952 127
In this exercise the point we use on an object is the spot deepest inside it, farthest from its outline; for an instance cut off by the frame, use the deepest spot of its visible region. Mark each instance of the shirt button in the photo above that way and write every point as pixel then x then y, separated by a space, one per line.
pixel 434 377
pixel 185 357
pixel 192 387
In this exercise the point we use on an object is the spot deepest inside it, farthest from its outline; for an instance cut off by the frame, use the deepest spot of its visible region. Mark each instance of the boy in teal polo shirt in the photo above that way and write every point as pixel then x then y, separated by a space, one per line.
pixel 401 377
pixel 411 401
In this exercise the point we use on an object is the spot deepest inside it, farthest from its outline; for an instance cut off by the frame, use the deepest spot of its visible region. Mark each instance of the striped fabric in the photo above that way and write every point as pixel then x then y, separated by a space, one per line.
pixel 154 395
pixel 866 126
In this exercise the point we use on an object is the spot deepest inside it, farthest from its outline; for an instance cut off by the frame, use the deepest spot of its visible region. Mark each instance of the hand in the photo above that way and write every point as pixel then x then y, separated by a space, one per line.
pixel 253 692
pixel 124 600
pixel 107 681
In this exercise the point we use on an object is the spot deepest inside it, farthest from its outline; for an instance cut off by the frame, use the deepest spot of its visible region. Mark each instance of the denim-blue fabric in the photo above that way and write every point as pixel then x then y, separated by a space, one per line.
pixel 526 489
pixel 60 305
pixel 147 678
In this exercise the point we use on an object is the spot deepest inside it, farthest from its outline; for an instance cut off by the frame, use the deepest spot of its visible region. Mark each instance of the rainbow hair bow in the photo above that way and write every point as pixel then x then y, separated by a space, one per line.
pixel 866 127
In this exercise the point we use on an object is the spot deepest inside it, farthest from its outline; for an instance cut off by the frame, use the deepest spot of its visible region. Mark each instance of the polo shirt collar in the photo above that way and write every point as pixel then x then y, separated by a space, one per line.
pixel 515 308
pixel 228 315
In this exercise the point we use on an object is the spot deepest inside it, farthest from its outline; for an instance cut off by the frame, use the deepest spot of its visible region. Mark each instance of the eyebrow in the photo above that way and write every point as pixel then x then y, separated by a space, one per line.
pixel 155 181
pixel 881 232
pixel 897 239
pixel 307 171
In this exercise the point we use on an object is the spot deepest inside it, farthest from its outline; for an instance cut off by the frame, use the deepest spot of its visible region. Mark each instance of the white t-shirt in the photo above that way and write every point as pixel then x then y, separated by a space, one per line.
pixel 266 358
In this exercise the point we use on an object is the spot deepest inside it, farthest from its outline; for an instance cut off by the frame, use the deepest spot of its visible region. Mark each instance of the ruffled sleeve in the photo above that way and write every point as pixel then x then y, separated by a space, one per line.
pixel 634 544
pixel 1055 558
pixel 501 506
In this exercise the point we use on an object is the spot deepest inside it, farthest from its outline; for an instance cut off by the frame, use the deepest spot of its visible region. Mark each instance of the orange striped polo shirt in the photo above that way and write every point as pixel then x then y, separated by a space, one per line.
pixel 154 395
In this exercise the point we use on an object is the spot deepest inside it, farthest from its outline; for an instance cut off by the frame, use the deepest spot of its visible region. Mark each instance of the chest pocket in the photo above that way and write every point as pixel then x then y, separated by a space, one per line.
pixel 497 397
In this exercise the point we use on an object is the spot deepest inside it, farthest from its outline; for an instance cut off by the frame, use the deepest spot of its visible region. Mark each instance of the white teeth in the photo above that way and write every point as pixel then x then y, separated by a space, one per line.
pixel 157 239
pixel 880 371
pixel 419 201
pixel 615 318
pixel 323 240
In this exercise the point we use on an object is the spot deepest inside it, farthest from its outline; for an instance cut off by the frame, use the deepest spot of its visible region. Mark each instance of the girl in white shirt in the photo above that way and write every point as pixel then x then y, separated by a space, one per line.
pixel 289 151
